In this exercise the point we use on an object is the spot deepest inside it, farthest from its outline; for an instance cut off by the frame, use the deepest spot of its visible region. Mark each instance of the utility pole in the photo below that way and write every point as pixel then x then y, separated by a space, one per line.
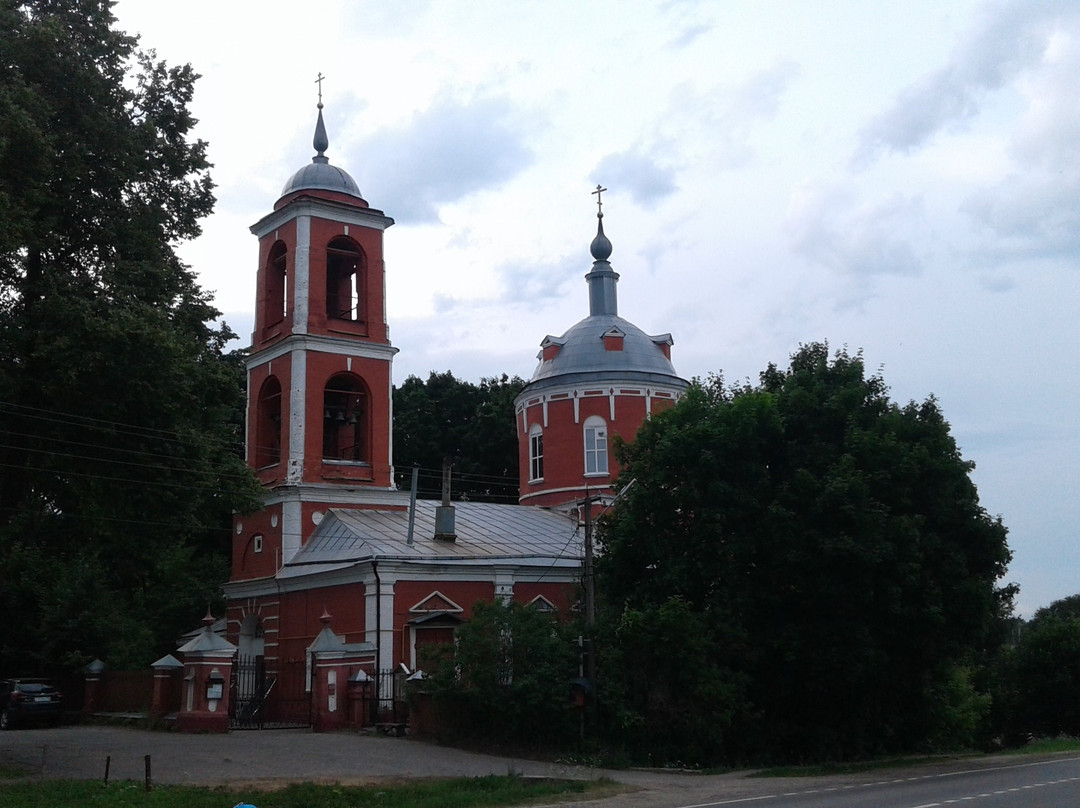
pixel 590 590
pixel 588 643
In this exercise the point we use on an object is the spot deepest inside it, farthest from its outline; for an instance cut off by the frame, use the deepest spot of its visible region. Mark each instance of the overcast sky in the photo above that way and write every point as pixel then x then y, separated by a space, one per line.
pixel 901 178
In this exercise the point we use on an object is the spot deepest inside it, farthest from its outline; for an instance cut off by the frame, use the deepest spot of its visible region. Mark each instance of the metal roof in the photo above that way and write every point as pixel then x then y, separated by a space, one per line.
pixel 582 353
pixel 206 640
pixel 485 531
pixel 320 175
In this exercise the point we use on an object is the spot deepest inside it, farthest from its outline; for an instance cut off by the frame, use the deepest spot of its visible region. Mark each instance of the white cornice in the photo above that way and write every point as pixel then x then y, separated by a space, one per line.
pixel 602 384
pixel 338 495
pixel 598 490
pixel 323 209
pixel 343 346
pixel 435 571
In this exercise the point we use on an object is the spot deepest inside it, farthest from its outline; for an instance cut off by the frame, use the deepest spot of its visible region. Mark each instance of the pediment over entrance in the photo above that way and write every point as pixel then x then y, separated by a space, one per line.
pixel 435 602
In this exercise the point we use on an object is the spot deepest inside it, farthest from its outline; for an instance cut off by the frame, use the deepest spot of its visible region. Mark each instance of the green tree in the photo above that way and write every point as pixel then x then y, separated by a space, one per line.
pixel 119 411
pixel 506 679
pixel 1043 675
pixel 836 545
pixel 1064 609
pixel 473 425
pixel 670 689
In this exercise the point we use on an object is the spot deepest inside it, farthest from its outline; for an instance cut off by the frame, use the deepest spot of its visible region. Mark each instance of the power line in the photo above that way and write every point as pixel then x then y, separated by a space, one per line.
pixel 136 430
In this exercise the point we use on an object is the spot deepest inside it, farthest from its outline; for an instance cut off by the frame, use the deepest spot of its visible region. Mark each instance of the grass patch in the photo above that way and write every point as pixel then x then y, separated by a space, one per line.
pixel 1046 746
pixel 8 772
pixel 855 767
pixel 472 792
pixel 1041 746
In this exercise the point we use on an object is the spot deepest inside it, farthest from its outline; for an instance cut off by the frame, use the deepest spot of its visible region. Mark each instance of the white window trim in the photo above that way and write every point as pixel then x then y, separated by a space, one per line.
pixel 594 423
pixel 536 431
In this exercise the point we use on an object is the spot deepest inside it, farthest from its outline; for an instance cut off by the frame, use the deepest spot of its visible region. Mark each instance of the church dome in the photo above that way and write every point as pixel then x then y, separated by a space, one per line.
pixel 319 175
pixel 583 354
pixel 604 346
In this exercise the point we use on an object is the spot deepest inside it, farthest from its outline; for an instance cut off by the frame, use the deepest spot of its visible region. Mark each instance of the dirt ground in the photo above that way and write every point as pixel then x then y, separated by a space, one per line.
pixel 266 758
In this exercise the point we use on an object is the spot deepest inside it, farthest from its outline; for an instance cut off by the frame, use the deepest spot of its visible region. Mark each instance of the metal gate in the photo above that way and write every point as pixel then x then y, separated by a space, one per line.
pixel 389 708
pixel 268 699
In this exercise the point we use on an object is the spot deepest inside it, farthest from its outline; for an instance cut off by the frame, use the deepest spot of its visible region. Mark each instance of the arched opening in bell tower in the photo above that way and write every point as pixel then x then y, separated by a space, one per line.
pixel 344 280
pixel 276 301
pixel 268 424
pixel 346 419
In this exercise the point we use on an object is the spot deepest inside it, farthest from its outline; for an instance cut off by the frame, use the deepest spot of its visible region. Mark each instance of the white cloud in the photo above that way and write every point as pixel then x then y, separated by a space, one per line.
pixel 724 120
pixel 1029 216
pixel 1032 209
pixel 887 236
pixel 639 174
pixel 1006 39
pixel 450 150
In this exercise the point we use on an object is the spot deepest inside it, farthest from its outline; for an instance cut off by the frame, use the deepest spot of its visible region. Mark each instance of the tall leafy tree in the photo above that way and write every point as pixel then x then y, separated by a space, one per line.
pixel 505 679
pixel 472 424
pixel 119 409
pixel 1040 677
pixel 836 544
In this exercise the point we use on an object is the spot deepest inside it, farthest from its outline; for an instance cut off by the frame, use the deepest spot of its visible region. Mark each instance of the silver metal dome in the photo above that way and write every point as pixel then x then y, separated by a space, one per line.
pixel 582 354
pixel 320 175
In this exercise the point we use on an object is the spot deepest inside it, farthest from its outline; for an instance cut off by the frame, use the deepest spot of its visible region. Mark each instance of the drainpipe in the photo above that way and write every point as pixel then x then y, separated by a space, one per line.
pixel 378 618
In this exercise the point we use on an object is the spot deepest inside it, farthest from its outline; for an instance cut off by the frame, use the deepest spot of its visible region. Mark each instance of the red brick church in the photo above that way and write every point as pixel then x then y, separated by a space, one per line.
pixel 339 576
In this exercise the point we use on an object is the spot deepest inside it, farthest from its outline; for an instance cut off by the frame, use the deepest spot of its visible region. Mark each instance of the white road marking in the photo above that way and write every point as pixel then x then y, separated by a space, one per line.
pixel 763 797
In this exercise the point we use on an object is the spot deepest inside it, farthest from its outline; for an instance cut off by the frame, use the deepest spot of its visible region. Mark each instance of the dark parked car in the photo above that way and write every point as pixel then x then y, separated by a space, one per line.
pixel 24 701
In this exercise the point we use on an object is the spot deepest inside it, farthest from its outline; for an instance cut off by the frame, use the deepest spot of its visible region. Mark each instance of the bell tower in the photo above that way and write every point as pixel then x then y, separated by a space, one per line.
pixel 319 420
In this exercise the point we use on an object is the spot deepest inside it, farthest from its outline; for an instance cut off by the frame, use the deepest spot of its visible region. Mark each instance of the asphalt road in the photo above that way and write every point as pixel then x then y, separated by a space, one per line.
pixel 269 756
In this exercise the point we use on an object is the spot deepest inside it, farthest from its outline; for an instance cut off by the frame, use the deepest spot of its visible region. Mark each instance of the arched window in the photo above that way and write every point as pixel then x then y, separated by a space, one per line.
pixel 536 452
pixel 268 424
pixel 276 303
pixel 344 280
pixel 345 420
pixel 595 445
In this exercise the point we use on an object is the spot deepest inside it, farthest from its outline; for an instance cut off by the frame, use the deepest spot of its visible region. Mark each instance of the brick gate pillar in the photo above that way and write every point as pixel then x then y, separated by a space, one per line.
pixel 167 672
pixel 208 661
pixel 95 672
pixel 335 674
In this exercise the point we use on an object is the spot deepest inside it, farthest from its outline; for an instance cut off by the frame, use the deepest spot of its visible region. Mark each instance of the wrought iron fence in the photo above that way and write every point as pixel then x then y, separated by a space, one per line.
pixel 268 699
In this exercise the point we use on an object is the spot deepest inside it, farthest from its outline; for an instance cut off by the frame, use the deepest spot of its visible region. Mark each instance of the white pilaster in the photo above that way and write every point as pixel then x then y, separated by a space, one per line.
pixel 379 618
pixel 297 415
pixel 301 280
pixel 504 585
pixel 291 529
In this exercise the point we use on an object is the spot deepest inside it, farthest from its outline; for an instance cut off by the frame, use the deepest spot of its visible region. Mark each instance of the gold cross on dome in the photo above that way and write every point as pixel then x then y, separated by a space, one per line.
pixel 599 203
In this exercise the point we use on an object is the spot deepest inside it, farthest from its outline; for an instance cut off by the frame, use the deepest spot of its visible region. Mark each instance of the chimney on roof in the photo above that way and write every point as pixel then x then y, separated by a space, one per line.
pixel 444 514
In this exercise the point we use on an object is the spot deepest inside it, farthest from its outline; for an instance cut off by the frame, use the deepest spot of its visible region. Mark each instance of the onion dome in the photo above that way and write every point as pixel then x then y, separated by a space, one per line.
pixel 320 175
pixel 601 245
